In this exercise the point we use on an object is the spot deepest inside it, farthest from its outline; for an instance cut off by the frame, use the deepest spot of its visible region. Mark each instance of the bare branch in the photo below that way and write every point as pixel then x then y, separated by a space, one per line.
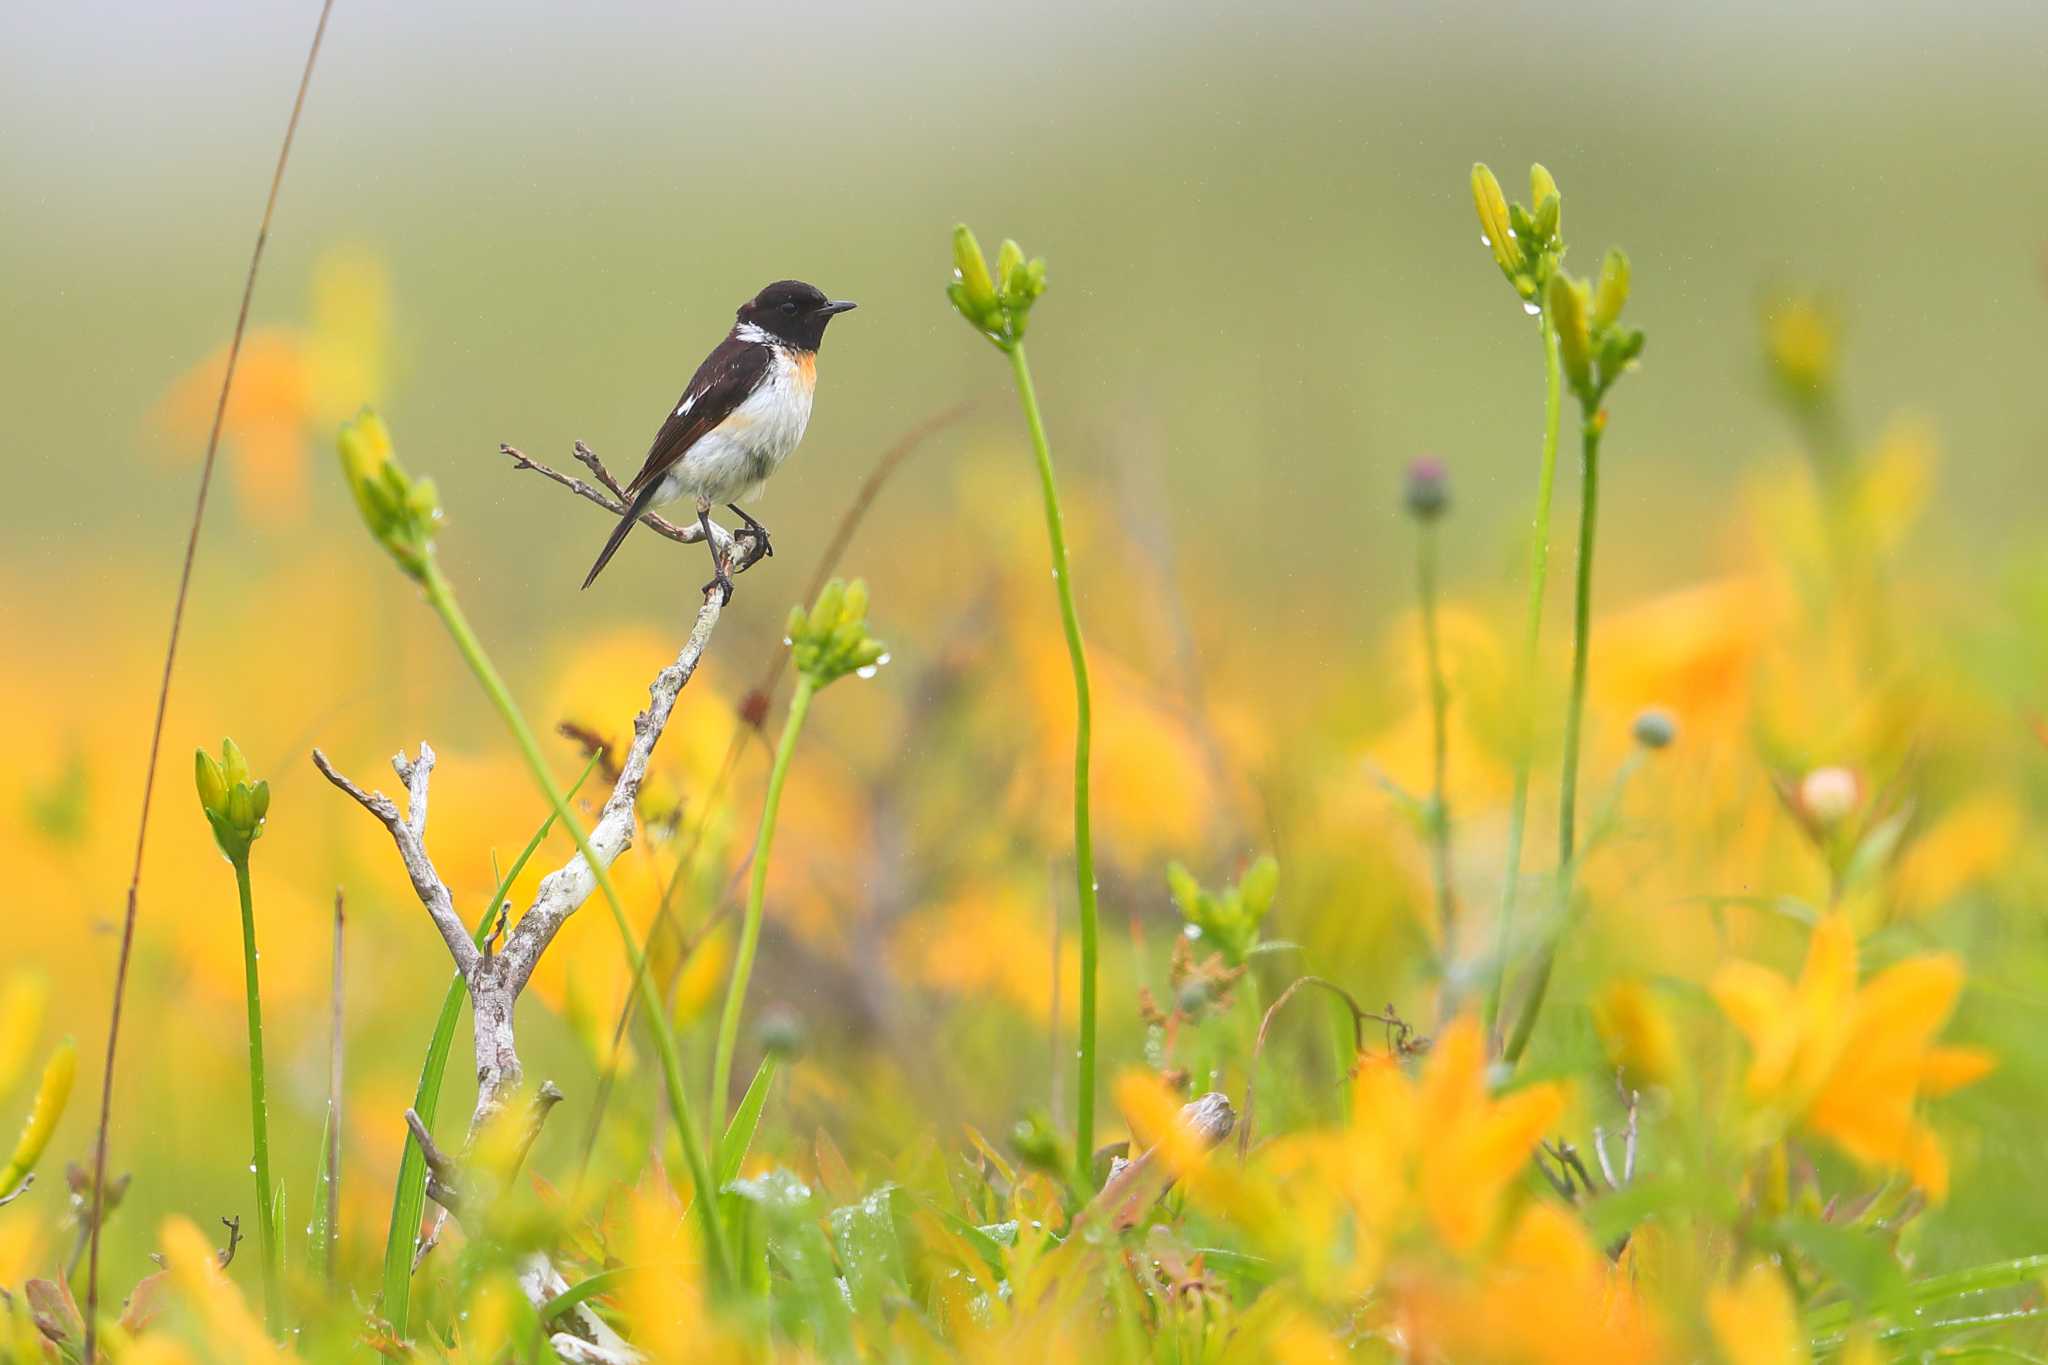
pixel 440 1166
pixel 564 891
pixel 612 498
pixel 409 833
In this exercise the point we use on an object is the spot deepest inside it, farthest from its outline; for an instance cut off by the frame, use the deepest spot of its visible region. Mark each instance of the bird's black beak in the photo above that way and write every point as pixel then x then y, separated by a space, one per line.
pixel 837 306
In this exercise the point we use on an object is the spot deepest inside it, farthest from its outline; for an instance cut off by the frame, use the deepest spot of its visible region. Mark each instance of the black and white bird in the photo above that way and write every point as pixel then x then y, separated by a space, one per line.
pixel 743 413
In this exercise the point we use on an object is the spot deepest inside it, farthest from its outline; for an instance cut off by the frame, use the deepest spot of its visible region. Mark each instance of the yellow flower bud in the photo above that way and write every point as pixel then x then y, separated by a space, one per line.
pixel 1612 293
pixel 51 1097
pixel 1566 305
pixel 213 787
pixel 977 288
pixel 1542 185
pixel 1493 219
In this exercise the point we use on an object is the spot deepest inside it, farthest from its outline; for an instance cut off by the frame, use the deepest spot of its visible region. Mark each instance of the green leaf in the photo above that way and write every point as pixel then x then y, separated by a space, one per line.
pixel 604 1282
pixel 1861 1262
pixel 870 1252
pixel 739 1134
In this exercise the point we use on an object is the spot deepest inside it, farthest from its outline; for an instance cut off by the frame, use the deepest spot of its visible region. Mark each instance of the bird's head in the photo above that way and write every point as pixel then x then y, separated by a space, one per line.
pixel 792 312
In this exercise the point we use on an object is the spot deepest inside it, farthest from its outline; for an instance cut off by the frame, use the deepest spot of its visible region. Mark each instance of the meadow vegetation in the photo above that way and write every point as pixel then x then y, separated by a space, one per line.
pixel 1633 987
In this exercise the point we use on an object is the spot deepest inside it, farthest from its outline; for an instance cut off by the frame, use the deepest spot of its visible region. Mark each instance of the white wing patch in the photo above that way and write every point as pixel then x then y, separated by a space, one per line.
pixel 689 401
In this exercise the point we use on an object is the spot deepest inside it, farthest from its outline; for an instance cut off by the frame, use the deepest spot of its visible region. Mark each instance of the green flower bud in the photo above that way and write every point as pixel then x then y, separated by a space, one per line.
pixel 234 767
pixel 1612 293
pixel 1542 185
pixel 1494 226
pixel 978 292
pixel 831 640
pixel 213 787
pixel 796 626
pixel 1566 305
pixel 1009 267
pixel 1655 728
pixel 234 806
pixel 401 513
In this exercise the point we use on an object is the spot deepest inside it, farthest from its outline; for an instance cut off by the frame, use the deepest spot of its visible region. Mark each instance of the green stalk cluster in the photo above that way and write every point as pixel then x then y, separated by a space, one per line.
pixel 1587 345
pixel 998 306
pixel 235 808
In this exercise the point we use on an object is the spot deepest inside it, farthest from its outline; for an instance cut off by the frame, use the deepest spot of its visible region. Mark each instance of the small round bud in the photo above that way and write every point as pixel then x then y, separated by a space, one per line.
pixel 1830 795
pixel 1655 728
pixel 1427 489
pixel 781 1032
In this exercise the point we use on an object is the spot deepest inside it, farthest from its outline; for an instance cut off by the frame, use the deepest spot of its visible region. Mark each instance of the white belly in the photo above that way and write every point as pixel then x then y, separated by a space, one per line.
pixel 731 462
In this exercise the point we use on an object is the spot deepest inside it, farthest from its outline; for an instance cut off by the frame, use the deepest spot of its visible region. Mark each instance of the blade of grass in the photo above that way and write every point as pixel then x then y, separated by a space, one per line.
pixel 163 696
pixel 409 1199
pixel 739 1134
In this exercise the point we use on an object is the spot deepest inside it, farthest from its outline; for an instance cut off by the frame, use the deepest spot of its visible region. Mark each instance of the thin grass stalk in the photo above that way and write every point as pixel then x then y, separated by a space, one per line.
pixel 331 1177
pixel 757 891
pixel 1539 572
pixel 1084 841
pixel 440 595
pixel 97 1215
pixel 259 1113
pixel 1574 723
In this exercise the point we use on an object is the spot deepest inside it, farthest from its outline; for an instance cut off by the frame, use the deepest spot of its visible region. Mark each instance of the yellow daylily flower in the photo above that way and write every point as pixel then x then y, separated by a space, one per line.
pixel 1754 1322
pixel 1850 1063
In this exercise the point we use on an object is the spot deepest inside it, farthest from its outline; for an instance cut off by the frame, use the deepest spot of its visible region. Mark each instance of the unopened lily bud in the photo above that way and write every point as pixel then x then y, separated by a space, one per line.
pixel 1612 293
pixel 1542 185
pixel 213 787
pixel 1566 305
pixel 1830 795
pixel 51 1097
pixel 1655 728
pixel 234 766
pixel 1009 267
pixel 977 289
pixel 1427 489
pixel 1493 220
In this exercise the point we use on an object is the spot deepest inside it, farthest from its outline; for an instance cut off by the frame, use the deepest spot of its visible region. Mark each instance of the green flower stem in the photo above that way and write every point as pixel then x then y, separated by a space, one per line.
pixel 1539 570
pixel 1084 842
pixel 259 1113
pixel 1439 705
pixel 441 596
pixel 1574 723
pixel 757 890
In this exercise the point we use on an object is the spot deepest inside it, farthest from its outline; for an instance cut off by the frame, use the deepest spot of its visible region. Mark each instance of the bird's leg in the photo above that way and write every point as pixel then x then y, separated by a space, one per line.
pixel 761 548
pixel 720 579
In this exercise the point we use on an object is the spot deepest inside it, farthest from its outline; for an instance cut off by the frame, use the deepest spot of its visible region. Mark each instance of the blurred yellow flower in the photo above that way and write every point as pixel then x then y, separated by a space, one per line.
pixel 1637 1034
pixel 1965 846
pixel 1754 1322
pixel 231 1331
pixel 292 385
pixel 1551 1298
pixel 1850 1064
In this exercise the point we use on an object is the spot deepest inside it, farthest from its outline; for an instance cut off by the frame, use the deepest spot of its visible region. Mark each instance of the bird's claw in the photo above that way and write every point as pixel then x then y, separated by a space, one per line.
pixel 723 582
pixel 759 547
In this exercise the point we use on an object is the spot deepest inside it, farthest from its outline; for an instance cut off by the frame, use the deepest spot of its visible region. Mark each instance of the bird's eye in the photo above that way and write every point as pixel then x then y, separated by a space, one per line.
pixel 789 305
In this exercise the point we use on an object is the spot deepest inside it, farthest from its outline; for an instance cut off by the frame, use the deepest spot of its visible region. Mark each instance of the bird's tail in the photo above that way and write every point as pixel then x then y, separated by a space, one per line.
pixel 634 511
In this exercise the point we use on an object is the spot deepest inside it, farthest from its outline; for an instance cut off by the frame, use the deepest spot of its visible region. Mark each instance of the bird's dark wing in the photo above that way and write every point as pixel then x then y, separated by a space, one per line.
pixel 725 380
